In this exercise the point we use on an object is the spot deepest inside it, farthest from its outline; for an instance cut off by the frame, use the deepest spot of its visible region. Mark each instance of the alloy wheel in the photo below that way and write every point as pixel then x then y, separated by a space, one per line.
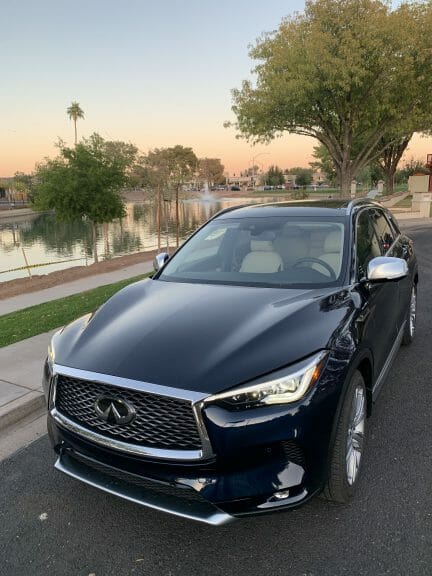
pixel 355 436
pixel 413 312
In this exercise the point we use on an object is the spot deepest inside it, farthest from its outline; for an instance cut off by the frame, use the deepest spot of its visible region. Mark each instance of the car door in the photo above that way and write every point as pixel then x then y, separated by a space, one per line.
pixel 393 243
pixel 380 300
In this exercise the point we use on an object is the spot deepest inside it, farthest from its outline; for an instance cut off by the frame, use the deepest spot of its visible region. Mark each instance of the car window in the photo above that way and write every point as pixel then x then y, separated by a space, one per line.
pixel 386 235
pixel 208 246
pixel 393 223
pixel 367 244
pixel 281 251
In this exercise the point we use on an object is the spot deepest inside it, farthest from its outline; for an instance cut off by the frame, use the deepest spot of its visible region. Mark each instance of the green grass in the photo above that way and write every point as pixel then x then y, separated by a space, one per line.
pixel 401 187
pixel 405 203
pixel 22 324
pixel 309 191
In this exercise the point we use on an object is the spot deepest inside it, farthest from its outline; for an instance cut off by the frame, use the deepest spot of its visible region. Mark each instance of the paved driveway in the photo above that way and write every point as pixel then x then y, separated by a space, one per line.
pixel 52 525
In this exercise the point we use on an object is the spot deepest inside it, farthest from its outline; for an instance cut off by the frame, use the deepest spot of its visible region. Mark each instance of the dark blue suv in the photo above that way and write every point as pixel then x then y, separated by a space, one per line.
pixel 238 380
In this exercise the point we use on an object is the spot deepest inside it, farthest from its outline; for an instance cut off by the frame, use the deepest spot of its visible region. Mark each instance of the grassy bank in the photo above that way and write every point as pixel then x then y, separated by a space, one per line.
pixel 405 203
pixel 44 317
pixel 317 193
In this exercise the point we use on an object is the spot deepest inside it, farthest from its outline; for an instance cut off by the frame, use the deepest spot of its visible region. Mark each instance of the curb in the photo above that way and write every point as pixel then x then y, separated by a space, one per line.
pixel 18 409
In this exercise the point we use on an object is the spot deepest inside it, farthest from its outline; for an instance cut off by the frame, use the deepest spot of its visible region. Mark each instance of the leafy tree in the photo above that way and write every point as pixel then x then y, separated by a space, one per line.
pixel 303 176
pixel 170 168
pixel 390 157
pixel 181 164
pixel 274 176
pixel 369 175
pixel 22 184
pixel 324 163
pixel 75 112
pixel 211 170
pixel 124 150
pixel 344 72
pixel 413 166
pixel 83 182
pixel 151 172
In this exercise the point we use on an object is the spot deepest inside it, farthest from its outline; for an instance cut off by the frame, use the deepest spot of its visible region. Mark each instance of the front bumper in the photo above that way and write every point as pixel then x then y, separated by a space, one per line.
pixel 265 460
pixel 210 493
pixel 140 490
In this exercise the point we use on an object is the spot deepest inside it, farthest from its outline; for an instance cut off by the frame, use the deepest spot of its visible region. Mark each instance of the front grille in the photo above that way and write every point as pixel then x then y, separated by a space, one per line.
pixel 160 422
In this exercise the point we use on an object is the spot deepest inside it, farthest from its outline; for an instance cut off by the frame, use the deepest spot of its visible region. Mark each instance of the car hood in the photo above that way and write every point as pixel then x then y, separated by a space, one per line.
pixel 200 337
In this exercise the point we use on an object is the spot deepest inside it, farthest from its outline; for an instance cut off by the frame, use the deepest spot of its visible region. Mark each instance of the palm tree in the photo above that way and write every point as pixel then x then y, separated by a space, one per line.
pixel 74 112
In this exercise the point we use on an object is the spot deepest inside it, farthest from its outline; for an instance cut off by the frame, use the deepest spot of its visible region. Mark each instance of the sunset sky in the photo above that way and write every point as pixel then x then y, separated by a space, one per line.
pixel 155 73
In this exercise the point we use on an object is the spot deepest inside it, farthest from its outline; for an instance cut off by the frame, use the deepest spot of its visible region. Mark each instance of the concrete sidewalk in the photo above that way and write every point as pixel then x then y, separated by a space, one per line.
pixel 25 300
pixel 21 378
pixel 21 363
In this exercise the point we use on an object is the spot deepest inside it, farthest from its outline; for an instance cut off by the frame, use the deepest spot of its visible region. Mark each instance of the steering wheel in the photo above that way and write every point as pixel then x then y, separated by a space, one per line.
pixel 322 263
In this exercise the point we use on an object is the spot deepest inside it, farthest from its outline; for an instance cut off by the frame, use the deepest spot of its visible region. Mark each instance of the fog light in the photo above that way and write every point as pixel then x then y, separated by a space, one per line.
pixel 281 495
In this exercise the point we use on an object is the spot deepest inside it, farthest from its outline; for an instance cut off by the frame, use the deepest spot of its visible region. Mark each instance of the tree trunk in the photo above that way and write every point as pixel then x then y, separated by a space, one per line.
pixel 94 240
pixel 390 159
pixel 345 179
pixel 389 180
pixel 159 217
pixel 106 239
pixel 75 132
pixel 177 218
pixel 166 225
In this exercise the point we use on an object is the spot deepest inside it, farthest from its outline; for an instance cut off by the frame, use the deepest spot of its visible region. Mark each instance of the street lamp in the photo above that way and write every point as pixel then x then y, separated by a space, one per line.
pixel 253 166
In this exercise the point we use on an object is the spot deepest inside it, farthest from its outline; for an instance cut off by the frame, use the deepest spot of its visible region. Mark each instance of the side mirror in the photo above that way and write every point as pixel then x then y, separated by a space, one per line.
pixel 160 260
pixel 386 268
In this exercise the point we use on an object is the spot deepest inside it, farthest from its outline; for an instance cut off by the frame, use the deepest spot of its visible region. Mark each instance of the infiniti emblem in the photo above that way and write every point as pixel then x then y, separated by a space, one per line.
pixel 114 410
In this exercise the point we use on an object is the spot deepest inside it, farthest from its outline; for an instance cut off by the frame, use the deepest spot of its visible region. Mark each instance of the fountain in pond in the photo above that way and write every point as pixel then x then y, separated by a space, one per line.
pixel 206 195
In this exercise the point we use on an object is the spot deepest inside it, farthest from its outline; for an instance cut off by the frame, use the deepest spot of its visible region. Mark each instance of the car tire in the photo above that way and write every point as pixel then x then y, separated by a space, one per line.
pixel 410 326
pixel 348 448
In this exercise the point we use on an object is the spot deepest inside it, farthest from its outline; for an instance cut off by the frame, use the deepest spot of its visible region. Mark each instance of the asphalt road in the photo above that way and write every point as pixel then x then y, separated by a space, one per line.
pixel 53 525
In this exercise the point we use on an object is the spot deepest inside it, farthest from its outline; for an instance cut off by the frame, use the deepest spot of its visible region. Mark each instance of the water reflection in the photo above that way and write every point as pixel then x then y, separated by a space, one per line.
pixel 49 242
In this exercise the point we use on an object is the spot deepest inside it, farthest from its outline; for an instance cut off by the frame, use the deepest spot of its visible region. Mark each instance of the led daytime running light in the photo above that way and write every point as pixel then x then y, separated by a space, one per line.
pixel 287 388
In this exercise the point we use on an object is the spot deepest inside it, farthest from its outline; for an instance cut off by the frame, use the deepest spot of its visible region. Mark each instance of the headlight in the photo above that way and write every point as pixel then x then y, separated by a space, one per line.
pixel 48 369
pixel 51 349
pixel 51 355
pixel 281 387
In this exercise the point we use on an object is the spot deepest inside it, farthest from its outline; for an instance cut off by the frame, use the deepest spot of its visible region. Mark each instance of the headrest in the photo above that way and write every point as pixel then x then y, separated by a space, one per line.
pixel 261 246
pixel 333 241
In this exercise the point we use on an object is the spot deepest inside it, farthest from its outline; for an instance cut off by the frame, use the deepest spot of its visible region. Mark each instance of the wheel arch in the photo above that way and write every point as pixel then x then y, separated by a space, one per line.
pixel 363 362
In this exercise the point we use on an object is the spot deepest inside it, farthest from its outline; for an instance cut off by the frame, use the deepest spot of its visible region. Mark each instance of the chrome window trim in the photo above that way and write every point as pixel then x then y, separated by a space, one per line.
pixel 389 222
pixel 354 277
pixel 195 398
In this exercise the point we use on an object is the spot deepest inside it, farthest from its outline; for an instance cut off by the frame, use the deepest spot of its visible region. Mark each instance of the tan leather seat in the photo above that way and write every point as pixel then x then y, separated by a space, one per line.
pixel 332 253
pixel 262 258
pixel 291 245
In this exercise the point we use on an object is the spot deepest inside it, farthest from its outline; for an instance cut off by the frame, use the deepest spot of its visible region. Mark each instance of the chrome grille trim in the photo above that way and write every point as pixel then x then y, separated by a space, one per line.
pixel 129 383
pixel 196 399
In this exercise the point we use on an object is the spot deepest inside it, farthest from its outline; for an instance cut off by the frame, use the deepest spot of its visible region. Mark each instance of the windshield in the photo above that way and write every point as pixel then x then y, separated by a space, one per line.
pixel 272 251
